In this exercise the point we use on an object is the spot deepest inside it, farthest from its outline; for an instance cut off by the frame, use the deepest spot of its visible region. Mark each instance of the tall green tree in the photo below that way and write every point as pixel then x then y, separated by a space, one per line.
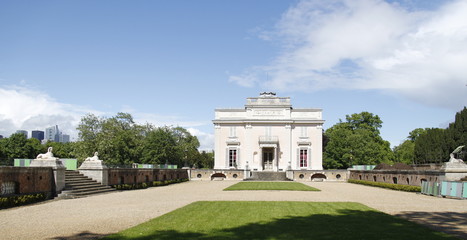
pixel 18 146
pixel 356 141
pixel 187 146
pixel 117 139
pixel 405 152
pixel 458 129
pixel 120 141
pixel 435 145
pixel 206 160
pixel 432 146
pixel 159 147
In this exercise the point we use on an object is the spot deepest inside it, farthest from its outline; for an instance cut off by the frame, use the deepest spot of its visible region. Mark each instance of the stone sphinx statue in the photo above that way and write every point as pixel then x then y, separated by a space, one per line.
pixel 92 163
pixel 95 158
pixel 452 159
pixel 47 156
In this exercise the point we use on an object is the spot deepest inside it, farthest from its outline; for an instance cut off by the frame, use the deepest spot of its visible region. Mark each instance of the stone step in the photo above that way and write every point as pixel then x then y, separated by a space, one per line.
pixel 69 194
pixel 87 190
pixel 78 185
pixel 78 180
pixel 268 176
pixel 84 186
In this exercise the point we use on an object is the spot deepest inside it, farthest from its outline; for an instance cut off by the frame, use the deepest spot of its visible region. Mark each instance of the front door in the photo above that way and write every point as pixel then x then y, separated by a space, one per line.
pixel 268 157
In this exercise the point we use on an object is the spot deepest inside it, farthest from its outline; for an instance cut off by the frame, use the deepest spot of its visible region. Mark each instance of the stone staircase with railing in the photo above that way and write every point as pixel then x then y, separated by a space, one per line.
pixel 77 185
pixel 268 176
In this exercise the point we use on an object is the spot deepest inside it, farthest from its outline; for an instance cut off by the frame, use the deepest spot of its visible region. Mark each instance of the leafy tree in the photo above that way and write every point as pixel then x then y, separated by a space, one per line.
pixel 432 146
pixel 159 147
pixel 61 150
pixel 356 141
pixel 18 146
pixel 458 129
pixel 414 134
pixel 206 160
pixel 405 152
pixel 187 146
pixel 117 139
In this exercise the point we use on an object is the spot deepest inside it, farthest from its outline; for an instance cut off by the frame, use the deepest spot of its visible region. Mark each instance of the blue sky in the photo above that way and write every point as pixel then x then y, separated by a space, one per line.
pixel 174 62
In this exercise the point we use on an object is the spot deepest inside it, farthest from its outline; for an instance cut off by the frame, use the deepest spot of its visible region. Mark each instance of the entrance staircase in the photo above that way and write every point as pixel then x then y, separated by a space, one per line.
pixel 268 176
pixel 77 185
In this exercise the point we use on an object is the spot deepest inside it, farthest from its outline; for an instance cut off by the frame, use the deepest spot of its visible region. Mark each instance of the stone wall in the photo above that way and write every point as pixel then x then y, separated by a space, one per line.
pixel 321 175
pixel 296 175
pixel 404 177
pixel 24 180
pixel 213 174
pixel 142 175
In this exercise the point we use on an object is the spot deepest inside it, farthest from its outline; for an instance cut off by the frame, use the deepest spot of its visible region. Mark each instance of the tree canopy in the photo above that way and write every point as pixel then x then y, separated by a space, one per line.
pixel 356 141
pixel 120 141
pixel 433 145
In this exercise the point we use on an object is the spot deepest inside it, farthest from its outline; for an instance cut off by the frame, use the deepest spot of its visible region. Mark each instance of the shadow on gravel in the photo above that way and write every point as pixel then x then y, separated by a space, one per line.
pixel 453 223
pixel 83 235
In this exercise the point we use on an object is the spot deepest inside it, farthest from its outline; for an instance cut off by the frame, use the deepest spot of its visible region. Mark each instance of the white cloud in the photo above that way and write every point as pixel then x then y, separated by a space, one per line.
pixel 206 140
pixel 371 44
pixel 26 109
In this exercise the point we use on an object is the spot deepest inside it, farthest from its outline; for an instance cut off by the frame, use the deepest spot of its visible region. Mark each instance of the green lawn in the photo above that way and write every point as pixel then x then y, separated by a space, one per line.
pixel 278 221
pixel 288 186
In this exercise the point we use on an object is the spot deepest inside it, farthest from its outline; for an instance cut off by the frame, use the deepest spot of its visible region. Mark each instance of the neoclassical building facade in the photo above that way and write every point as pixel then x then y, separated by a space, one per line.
pixel 268 135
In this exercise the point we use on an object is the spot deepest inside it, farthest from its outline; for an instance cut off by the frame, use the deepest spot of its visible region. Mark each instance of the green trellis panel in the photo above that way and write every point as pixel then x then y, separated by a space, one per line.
pixel 70 163
pixel 435 189
pixel 453 192
pixel 424 187
pixel 444 188
pixel 464 190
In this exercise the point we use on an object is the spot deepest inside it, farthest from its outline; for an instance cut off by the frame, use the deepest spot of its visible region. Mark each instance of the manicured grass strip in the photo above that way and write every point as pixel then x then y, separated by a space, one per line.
pixel 279 221
pixel 398 187
pixel 288 186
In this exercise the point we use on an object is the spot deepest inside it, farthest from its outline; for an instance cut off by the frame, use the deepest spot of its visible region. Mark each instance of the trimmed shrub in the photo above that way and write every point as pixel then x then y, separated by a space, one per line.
pixel 19 200
pixel 397 187
pixel 146 185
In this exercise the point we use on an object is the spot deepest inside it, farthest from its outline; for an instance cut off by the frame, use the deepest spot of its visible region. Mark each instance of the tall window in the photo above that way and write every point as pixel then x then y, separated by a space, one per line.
pixel 303 158
pixel 233 131
pixel 232 157
pixel 303 132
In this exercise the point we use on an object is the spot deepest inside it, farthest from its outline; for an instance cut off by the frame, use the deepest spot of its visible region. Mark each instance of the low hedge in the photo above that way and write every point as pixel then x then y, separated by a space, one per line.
pixel 397 187
pixel 19 200
pixel 146 185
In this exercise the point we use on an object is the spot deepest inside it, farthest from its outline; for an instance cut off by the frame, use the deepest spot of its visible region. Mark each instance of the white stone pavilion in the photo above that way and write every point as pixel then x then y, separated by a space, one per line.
pixel 268 135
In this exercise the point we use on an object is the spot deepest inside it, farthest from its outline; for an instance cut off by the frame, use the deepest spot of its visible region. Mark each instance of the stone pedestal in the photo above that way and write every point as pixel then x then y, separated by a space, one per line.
pixel 58 168
pixel 454 170
pixel 96 170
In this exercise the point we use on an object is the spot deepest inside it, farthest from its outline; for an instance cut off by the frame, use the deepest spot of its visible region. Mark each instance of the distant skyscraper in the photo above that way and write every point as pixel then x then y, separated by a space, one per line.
pixel 52 134
pixel 24 132
pixel 64 138
pixel 39 135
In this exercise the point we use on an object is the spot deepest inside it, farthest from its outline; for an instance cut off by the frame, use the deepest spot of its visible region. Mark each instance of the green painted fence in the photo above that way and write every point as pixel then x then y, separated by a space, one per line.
pixel 69 163
pixel 158 166
pixel 445 189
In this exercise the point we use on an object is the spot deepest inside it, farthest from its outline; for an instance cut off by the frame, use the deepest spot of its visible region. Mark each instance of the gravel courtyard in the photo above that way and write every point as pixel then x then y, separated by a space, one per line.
pixel 97 216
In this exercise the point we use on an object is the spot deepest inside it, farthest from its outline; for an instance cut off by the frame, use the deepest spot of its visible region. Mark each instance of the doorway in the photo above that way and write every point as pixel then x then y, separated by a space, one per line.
pixel 268 158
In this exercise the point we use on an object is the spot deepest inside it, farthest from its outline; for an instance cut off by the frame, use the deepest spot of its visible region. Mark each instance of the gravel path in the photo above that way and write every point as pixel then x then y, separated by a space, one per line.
pixel 96 216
